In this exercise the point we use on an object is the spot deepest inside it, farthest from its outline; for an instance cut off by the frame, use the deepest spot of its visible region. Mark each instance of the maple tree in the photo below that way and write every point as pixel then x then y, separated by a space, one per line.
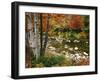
pixel 75 22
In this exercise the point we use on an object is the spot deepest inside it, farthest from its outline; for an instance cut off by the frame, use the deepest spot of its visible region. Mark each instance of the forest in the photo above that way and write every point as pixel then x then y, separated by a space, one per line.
pixel 56 40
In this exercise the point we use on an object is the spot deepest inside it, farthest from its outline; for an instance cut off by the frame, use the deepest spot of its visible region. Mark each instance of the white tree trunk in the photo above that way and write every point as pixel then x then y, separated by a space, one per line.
pixel 37 51
pixel 33 36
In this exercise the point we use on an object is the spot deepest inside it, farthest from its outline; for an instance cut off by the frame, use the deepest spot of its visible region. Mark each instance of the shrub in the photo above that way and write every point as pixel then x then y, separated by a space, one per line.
pixel 48 61
pixel 53 60
pixel 39 65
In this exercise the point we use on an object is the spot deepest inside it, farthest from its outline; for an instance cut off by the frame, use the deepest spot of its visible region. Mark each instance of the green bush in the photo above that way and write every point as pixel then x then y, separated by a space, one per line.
pixel 52 61
pixel 48 61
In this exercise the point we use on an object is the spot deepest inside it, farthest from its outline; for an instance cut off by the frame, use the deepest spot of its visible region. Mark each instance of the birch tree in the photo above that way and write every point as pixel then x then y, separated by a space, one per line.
pixel 33 34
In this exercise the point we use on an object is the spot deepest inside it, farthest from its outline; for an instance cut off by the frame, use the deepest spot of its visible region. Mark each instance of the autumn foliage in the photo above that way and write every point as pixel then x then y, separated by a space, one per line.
pixel 61 20
pixel 75 22
pixel 44 21
pixel 61 40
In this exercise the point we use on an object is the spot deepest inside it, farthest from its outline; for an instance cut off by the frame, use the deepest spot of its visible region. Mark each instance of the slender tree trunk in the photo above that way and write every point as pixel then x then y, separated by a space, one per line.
pixel 29 26
pixel 46 35
pixel 37 51
pixel 41 51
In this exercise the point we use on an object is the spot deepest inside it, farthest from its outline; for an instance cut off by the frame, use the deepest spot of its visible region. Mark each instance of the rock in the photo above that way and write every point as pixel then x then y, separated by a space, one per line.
pixel 77 54
pixel 85 53
pixel 52 48
pixel 68 41
pixel 63 52
pixel 76 48
pixel 87 42
pixel 67 56
pixel 66 46
pixel 72 56
pixel 71 49
pixel 83 57
pixel 76 41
